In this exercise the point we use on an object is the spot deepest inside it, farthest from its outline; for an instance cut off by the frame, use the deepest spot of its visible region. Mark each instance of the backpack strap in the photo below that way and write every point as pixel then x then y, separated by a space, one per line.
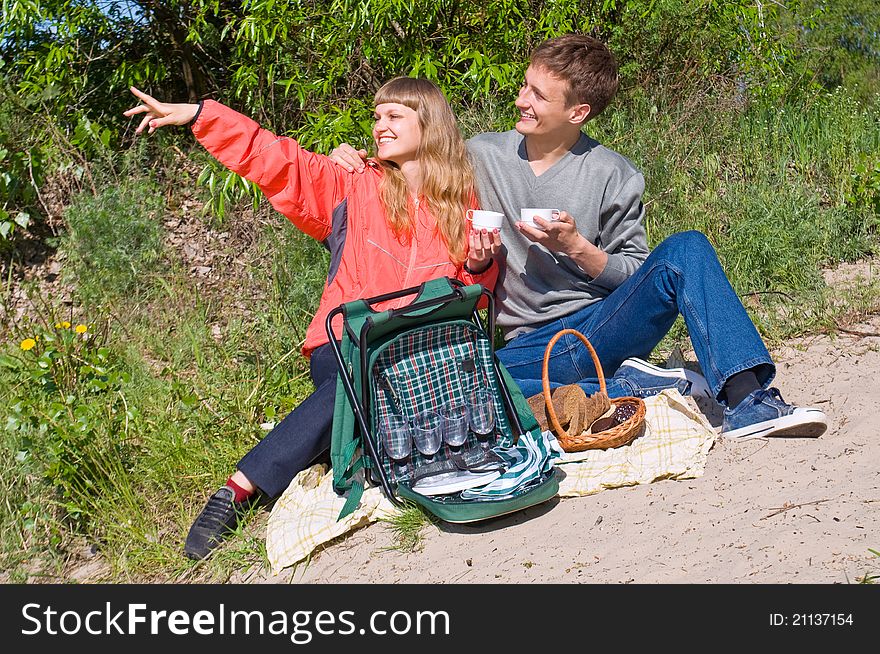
pixel 345 438
pixel 527 419
pixel 344 455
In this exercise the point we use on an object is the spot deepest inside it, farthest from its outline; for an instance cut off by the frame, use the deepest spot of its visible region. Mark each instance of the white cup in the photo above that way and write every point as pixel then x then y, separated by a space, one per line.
pixel 528 216
pixel 485 219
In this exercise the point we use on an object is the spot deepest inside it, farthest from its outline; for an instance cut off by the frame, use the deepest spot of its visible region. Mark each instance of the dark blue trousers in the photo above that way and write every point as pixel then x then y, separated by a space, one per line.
pixel 302 437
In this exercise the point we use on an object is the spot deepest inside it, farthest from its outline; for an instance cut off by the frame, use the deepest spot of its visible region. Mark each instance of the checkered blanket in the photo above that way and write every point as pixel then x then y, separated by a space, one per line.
pixel 675 445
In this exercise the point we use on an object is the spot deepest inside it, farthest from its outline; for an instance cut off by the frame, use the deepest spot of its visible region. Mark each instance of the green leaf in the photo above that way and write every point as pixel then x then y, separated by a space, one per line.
pixel 51 92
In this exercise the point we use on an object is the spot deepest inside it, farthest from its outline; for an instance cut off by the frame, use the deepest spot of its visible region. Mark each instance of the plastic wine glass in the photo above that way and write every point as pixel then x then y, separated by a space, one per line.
pixel 427 433
pixel 396 438
pixel 481 416
pixel 454 425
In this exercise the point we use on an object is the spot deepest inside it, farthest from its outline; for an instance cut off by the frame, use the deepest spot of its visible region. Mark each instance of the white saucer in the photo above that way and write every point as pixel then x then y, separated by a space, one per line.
pixel 453 482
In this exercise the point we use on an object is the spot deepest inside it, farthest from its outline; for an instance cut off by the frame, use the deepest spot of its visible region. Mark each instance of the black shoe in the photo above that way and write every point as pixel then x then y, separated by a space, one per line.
pixel 217 520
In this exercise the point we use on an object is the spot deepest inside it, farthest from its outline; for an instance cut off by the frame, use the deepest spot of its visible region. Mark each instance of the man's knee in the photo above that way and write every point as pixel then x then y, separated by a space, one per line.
pixel 685 246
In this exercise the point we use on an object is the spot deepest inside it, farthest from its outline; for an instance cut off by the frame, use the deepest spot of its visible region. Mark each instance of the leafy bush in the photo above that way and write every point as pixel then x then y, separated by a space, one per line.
pixel 17 192
pixel 226 189
pixel 865 190
pixel 21 169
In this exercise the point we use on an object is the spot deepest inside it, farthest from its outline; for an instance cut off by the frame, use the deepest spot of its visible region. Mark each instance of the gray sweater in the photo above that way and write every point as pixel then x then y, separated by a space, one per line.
pixel 601 189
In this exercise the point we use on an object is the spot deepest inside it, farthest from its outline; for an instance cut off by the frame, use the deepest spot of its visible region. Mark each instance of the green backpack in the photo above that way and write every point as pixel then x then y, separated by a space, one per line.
pixel 400 364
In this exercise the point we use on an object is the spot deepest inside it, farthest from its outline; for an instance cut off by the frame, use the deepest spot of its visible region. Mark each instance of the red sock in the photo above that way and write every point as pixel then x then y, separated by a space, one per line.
pixel 241 494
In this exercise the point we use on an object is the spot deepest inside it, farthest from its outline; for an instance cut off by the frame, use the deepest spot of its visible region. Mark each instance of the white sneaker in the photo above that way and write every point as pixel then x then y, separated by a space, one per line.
pixel 764 413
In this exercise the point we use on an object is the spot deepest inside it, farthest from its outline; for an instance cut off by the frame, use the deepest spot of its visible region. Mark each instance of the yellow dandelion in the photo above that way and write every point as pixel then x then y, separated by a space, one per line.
pixel 65 324
pixel 81 329
pixel 28 344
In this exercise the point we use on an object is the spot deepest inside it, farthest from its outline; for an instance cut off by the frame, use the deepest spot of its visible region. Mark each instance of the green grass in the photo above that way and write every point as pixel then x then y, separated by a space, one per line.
pixel 114 241
pixel 870 577
pixel 407 527
pixel 195 405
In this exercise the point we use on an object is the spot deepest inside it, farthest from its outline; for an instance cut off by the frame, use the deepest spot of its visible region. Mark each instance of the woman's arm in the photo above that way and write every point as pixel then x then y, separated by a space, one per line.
pixel 480 266
pixel 160 114
pixel 303 186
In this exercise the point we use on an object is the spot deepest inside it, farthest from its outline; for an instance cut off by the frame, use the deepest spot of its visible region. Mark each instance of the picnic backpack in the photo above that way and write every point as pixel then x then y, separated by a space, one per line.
pixel 412 361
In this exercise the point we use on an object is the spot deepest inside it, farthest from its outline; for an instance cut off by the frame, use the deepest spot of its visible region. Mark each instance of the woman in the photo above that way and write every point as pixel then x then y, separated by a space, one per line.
pixel 397 226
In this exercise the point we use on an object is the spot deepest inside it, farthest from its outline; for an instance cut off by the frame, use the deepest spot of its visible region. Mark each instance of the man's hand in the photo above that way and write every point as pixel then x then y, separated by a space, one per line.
pixel 482 246
pixel 346 156
pixel 562 236
pixel 160 114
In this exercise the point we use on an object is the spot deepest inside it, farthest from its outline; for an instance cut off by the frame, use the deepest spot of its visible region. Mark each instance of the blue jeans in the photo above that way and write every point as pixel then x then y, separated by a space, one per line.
pixel 302 437
pixel 683 276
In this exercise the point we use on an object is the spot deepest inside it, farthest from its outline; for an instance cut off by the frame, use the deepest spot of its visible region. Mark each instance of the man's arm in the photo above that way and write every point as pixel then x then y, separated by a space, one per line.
pixel 562 236
pixel 621 246
pixel 622 233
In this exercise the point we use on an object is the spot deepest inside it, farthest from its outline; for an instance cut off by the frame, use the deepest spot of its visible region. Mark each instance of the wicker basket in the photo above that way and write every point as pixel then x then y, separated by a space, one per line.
pixel 621 434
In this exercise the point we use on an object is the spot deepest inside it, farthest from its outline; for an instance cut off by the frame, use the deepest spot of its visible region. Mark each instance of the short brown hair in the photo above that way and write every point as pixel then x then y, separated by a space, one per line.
pixel 586 64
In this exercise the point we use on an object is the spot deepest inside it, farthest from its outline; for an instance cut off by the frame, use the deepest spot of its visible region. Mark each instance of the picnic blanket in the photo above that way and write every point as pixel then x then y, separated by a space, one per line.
pixel 675 445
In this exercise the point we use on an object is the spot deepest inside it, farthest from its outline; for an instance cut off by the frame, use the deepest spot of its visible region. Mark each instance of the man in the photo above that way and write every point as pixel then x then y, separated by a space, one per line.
pixel 591 270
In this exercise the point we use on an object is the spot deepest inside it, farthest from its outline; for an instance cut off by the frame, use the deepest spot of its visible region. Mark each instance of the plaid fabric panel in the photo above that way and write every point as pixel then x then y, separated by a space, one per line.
pixel 430 367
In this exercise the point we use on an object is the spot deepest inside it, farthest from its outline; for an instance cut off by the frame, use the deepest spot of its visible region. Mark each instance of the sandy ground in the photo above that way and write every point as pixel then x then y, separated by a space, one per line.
pixel 791 510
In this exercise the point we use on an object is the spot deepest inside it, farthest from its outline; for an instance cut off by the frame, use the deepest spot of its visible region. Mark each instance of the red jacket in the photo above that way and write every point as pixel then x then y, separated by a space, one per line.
pixel 341 209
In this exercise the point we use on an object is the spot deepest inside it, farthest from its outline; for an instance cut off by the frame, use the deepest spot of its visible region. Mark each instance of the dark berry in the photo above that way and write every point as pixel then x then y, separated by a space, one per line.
pixel 624 412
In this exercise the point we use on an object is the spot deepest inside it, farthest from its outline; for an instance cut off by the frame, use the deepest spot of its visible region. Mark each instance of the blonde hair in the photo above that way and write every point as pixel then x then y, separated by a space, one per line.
pixel 447 174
